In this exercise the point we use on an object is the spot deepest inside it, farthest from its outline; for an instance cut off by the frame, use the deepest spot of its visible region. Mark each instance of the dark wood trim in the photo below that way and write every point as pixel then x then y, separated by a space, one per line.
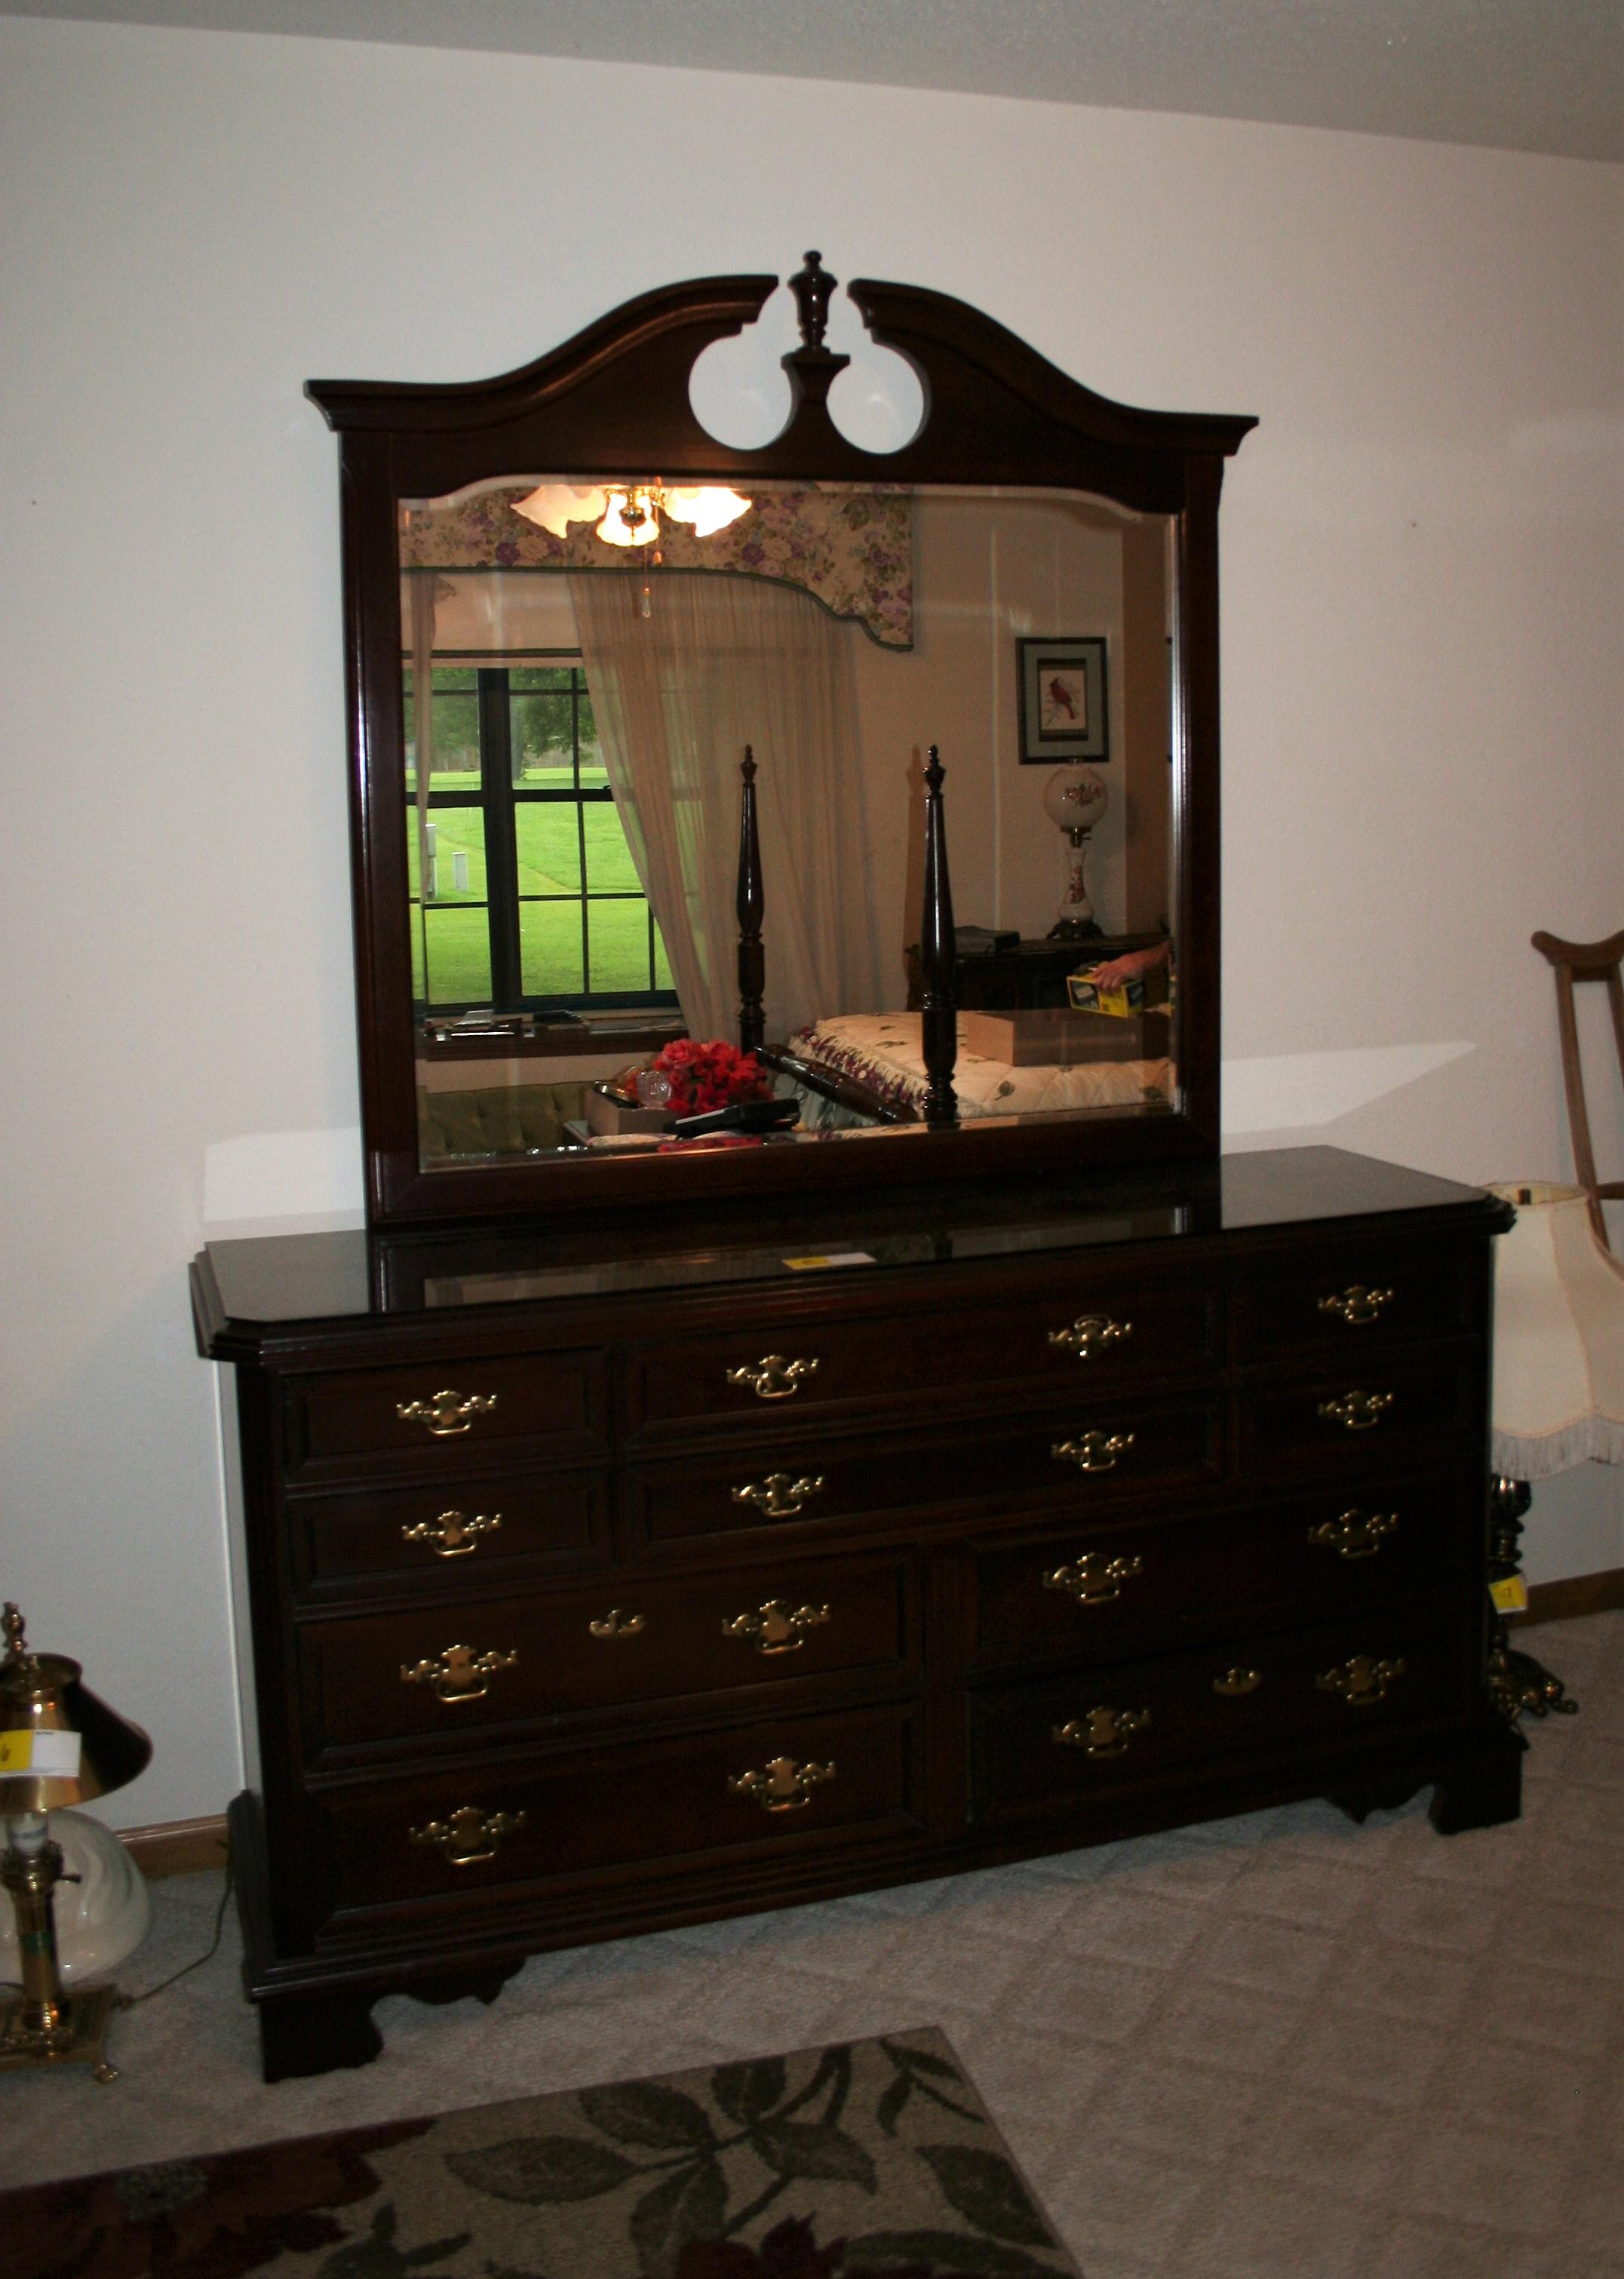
pixel 747 903
pixel 939 1020
pixel 177 1847
pixel 1572 1596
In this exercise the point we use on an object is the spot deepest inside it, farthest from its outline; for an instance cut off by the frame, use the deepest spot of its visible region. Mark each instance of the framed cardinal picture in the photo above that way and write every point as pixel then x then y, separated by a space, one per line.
pixel 1062 686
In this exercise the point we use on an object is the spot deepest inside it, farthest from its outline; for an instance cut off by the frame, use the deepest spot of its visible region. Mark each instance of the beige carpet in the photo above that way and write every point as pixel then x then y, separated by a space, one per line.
pixel 1280 2047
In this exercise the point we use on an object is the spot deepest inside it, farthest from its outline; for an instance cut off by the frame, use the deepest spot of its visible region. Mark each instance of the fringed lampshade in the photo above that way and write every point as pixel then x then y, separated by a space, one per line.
pixel 1558 1339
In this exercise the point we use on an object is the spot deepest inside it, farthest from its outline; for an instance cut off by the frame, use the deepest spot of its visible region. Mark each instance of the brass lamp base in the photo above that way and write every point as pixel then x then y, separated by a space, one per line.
pixel 79 2038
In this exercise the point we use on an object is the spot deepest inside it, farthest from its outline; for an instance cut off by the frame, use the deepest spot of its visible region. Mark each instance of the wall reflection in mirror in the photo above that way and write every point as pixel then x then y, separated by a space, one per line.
pixel 584 668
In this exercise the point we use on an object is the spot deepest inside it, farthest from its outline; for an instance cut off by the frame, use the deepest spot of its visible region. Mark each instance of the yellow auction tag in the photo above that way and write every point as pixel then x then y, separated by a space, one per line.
pixel 1510 1596
pixel 29 1750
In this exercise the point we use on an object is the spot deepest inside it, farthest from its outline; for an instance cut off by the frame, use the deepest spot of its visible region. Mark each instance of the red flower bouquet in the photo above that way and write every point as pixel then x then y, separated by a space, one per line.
pixel 703 1076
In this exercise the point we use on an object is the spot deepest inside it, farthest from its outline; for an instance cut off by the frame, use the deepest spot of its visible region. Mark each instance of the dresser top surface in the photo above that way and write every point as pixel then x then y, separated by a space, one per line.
pixel 271 1281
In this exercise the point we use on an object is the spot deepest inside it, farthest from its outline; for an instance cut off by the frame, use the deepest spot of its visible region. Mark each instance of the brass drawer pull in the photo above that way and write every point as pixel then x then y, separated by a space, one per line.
pixel 470 1836
pixel 773 1629
pixel 783 1785
pixel 1357 1534
pixel 1092 1584
pixel 459 1674
pixel 778 1496
pixel 618 1624
pixel 1357 1304
pixel 453 1534
pixel 447 1412
pixel 1357 1412
pixel 1234 1682
pixel 1094 1452
pixel 1103 1732
pixel 772 1378
pixel 1090 1333
pixel 1362 1681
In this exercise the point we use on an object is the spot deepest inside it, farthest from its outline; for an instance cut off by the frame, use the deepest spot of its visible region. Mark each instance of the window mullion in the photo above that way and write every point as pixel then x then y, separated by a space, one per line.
pixel 500 838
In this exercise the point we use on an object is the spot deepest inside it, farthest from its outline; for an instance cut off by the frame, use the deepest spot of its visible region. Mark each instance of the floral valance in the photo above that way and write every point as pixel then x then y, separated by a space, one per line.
pixel 851 550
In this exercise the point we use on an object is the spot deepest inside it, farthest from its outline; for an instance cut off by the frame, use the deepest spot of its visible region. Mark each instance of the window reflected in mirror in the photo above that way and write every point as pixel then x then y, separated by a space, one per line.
pixel 574 837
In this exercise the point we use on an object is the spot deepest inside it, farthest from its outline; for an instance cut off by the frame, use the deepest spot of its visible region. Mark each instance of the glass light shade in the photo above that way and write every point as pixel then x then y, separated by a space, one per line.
pixel 102 1917
pixel 1074 798
pixel 708 508
pixel 555 506
pixel 615 530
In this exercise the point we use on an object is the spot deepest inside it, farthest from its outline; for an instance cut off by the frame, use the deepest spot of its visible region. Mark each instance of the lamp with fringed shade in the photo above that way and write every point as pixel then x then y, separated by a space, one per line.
pixel 1558 1395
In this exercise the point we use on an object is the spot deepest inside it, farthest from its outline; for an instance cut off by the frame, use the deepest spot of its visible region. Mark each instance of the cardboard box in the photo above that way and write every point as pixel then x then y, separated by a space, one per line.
pixel 1054 1034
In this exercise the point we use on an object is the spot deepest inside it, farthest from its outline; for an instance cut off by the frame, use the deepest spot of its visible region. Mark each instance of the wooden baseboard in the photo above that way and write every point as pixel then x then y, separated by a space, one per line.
pixel 1573 1595
pixel 177 1847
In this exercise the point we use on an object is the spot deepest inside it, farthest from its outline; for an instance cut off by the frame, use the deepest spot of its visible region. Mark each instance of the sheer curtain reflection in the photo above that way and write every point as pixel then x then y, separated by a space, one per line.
pixel 720 661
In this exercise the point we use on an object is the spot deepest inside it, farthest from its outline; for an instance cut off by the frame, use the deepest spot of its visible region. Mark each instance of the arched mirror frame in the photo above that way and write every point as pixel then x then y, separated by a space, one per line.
pixel 615 402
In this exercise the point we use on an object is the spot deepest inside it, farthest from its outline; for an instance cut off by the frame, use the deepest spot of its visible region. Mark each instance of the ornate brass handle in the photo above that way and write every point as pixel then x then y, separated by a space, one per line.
pixel 618 1624
pixel 1234 1682
pixel 1090 1333
pixel 1357 1534
pixel 470 1836
pixel 459 1674
pixel 1093 1584
pixel 772 1378
pixel 447 1412
pixel 1094 1452
pixel 1357 1304
pixel 778 1496
pixel 783 1785
pixel 773 1629
pixel 1357 1412
pixel 1361 1682
pixel 1103 1732
pixel 453 1534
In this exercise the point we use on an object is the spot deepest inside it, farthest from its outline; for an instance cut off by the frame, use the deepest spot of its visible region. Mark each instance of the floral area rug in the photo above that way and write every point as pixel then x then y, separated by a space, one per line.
pixel 870 2159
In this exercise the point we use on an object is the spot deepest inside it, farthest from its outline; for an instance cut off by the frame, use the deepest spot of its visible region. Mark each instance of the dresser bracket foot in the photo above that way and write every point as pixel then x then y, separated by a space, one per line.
pixel 483 1984
pixel 1482 1790
pixel 316 2034
pixel 1375 1796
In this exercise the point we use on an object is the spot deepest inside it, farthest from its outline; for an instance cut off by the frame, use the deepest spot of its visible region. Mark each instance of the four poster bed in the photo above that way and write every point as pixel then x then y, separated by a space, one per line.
pixel 913 1067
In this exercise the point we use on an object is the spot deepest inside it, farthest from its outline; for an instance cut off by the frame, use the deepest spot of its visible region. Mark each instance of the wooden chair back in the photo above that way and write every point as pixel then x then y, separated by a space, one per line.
pixel 1574 962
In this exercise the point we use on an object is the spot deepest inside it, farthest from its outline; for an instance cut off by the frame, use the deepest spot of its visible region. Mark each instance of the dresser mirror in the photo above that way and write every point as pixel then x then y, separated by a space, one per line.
pixel 572 613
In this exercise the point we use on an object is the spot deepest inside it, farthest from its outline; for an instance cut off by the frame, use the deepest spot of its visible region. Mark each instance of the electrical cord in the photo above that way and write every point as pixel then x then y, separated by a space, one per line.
pixel 130 2001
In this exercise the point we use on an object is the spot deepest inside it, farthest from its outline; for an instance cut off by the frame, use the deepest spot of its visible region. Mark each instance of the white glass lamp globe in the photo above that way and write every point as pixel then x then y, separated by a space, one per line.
pixel 102 1919
pixel 1074 798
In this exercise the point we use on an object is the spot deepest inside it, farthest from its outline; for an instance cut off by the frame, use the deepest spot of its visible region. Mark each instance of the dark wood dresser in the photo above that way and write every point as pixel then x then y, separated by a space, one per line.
pixel 607 1579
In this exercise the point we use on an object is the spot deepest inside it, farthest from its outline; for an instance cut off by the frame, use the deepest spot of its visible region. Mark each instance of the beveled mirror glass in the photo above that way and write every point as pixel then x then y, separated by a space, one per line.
pixel 583 609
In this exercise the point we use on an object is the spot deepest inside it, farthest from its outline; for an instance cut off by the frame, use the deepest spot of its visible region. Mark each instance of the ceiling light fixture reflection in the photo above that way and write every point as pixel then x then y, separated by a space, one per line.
pixel 627 514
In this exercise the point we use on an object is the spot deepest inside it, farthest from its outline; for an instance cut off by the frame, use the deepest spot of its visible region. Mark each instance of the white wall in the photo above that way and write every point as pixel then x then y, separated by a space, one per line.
pixel 1422 675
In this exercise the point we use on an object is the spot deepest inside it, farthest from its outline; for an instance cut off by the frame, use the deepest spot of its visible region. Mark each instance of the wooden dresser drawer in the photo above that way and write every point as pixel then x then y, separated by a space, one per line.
pixel 470 1837
pixel 1346 1298
pixel 1045 1743
pixel 1081 1458
pixel 438 1541
pixel 1113 1332
pixel 1400 1409
pixel 554 1654
pixel 1127 1585
pixel 448 1415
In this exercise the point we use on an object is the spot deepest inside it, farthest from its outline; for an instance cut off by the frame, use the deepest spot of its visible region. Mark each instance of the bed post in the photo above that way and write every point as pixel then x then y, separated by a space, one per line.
pixel 938 1017
pixel 752 960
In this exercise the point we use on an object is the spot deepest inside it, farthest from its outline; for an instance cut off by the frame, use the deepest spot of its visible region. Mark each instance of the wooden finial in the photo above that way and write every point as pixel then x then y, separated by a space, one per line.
pixel 813 288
